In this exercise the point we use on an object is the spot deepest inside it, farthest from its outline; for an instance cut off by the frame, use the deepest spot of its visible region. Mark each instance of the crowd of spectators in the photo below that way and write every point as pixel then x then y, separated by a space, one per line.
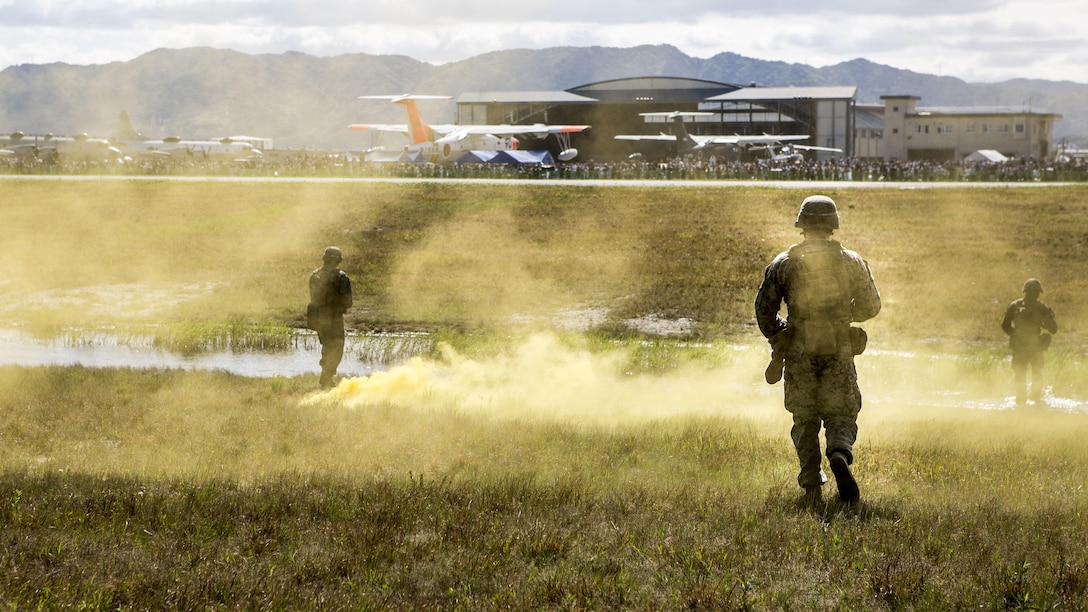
pixel 313 164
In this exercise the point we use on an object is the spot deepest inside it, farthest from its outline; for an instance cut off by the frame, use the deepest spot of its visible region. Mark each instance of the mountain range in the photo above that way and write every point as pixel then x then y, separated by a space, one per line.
pixel 306 102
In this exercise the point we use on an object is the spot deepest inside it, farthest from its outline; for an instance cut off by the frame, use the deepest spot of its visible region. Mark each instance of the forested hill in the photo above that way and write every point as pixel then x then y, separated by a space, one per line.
pixel 303 101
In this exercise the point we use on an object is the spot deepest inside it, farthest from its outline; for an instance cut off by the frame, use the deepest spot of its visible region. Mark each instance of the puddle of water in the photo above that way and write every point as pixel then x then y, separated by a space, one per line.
pixel 959 400
pixel 363 354
pixel 367 354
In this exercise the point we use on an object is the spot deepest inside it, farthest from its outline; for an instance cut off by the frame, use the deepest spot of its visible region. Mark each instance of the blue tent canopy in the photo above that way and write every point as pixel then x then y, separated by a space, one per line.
pixel 506 157
pixel 523 157
pixel 476 157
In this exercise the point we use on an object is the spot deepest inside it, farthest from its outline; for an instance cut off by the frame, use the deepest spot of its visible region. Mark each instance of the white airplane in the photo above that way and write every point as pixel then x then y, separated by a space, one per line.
pixel 135 144
pixel 791 153
pixel 50 148
pixel 447 143
pixel 688 143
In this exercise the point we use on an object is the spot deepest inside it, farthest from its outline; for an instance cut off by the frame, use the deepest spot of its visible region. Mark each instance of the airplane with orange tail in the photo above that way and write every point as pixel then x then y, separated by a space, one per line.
pixel 447 143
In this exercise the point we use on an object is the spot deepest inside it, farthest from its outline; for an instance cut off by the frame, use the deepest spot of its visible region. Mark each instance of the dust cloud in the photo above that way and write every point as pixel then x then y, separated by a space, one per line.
pixel 541 379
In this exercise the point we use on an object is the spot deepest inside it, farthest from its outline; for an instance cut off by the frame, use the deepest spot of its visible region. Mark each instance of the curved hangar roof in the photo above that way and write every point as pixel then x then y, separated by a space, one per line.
pixel 638 89
pixel 653 89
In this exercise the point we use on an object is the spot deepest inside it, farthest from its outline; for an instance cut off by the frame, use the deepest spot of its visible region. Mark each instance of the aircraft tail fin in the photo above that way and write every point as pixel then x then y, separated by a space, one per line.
pixel 420 131
pixel 125 131
pixel 683 139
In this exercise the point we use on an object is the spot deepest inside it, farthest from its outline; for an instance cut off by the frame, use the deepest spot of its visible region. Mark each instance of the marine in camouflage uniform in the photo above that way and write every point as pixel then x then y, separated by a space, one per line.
pixel 330 298
pixel 825 288
pixel 1025 321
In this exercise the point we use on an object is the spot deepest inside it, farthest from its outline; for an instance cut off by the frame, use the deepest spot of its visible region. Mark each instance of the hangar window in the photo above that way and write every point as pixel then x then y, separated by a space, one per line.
pixel 944 128
pixel 971 129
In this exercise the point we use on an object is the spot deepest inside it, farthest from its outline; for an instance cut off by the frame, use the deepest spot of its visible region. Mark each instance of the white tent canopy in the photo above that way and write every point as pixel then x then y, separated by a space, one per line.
pixel 985 156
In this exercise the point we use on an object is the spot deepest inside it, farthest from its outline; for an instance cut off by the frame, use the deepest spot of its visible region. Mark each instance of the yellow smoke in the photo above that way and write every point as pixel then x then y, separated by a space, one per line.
pixel 543 379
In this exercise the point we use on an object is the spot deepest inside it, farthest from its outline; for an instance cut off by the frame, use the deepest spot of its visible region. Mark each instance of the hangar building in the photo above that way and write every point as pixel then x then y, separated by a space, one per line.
pixel 897 130
pixel 613 107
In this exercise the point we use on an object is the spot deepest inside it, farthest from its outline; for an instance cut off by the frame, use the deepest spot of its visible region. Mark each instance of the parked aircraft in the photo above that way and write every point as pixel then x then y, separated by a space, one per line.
pixel 136 145
pixel 791 153
pixel 50 148
pixel 688 143
pixel 447 143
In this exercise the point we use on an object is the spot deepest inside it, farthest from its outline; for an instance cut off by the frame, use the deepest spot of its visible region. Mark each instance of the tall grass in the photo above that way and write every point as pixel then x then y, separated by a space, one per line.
pixel 144 489
pixel 599 469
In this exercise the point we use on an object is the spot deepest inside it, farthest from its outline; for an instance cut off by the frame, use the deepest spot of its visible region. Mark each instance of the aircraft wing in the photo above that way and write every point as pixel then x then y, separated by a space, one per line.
pixel 652 137
pixel 708 140
pixel 815 148
pixel 380 127
pixel 401 128
pixel 459 132
pixel 514 130
pixel 737 139
pixel 452 133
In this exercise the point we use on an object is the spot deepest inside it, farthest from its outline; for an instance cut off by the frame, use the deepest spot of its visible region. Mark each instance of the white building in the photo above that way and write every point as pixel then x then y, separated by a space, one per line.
pixel 901 130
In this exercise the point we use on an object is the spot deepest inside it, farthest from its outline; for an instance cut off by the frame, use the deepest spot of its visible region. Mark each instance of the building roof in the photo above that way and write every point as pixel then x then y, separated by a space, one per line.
pixel 637 89
pixel 979 110
pixel 864 119
pixel 751 94
pixel 653 89
pixel 531 97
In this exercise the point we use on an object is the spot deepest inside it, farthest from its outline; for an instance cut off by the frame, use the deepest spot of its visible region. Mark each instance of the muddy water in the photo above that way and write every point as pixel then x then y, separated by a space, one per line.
pixel 366 354
pixel 363 354
pixel 1048 402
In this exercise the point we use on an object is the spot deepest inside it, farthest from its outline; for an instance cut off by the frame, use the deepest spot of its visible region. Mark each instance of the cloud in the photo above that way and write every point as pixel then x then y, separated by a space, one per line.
pixel 977 40
pixel 333 13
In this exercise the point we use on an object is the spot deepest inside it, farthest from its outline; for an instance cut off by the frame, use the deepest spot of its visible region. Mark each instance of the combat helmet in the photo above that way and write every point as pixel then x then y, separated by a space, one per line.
pixel 818 211
pixel 1032 285
pixel 332 254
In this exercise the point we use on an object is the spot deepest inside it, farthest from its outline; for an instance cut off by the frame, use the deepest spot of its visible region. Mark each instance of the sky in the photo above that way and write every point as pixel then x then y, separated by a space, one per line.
pixel 975 40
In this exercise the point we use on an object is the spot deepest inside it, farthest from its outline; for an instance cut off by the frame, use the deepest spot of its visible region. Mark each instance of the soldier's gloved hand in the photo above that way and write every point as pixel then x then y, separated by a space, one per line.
pixel 779 343
pixel 781 340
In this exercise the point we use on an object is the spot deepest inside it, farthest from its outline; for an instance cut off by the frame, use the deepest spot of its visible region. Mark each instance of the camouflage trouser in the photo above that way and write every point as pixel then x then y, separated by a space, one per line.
pixel 821 391
pixel 331 336
pixel 1021 360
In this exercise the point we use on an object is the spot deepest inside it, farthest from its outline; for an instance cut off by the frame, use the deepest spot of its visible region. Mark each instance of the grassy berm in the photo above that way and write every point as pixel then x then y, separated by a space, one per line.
pixel 550 452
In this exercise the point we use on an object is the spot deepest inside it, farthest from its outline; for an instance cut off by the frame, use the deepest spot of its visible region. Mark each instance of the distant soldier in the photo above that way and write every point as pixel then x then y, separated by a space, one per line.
pixel 1025 321
pixel 330 298
pixel 825 288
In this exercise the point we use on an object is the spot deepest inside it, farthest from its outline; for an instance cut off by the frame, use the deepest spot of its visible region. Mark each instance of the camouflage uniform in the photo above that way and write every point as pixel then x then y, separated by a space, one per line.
pixel 825 288
pixel 330 298
pixel 1025 320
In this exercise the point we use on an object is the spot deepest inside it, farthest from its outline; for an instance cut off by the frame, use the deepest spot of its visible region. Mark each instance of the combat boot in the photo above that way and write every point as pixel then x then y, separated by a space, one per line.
pixel 1037 394
pixel 848 487
pixel 812 498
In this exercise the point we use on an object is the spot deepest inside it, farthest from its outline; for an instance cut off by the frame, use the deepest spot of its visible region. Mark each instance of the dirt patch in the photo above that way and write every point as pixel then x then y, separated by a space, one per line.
pixel 128 300
pixel 656 325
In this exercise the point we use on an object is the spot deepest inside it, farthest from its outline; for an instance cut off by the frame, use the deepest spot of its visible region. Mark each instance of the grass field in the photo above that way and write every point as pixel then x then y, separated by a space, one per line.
pixel 528 463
